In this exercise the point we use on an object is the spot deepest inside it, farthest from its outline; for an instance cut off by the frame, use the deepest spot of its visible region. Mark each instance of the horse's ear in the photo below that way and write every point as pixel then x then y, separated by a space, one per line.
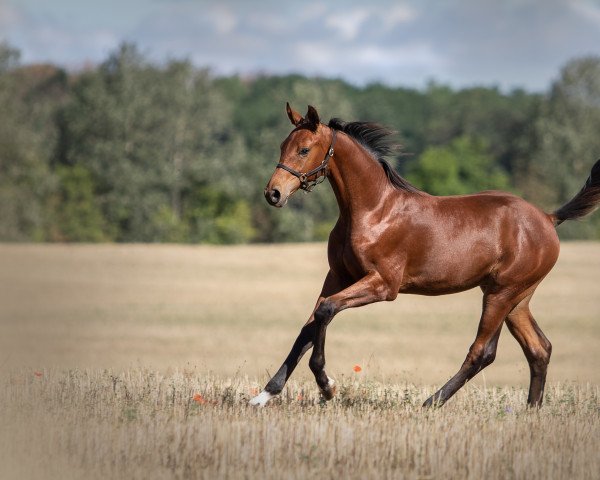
pixel 312 117
pixel 293 115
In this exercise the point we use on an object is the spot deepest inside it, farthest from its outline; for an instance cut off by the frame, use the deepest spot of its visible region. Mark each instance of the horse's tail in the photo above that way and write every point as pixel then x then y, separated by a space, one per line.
pixel 585 202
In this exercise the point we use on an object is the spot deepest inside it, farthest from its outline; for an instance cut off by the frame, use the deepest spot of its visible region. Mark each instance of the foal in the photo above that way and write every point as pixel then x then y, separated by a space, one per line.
pixel 392 238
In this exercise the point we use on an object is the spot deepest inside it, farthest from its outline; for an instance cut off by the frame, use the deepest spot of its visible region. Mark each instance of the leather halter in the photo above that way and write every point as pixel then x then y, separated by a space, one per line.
pixel 306 184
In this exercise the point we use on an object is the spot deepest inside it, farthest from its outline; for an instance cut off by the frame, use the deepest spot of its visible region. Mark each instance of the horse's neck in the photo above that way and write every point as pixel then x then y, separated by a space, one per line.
pixel 357 179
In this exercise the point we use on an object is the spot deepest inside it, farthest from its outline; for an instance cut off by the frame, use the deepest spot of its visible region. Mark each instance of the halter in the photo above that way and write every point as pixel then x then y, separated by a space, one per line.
pixel 308 185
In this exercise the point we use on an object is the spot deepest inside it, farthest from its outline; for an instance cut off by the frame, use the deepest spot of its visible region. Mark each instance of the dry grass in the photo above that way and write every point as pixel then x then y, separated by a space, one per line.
pixel 125 336
pixel 142 424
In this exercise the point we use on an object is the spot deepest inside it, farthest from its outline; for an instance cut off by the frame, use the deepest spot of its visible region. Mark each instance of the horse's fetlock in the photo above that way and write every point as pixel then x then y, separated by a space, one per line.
pixel 316 364
pixel 275 386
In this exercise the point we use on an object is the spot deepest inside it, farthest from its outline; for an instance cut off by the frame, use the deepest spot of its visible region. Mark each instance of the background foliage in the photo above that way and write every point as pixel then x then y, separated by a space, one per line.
pixel 134 151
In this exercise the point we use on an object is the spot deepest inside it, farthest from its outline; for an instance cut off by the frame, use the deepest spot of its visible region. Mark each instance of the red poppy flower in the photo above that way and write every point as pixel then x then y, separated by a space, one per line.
pixel 38 374
pixel 199 399
pixel 357 368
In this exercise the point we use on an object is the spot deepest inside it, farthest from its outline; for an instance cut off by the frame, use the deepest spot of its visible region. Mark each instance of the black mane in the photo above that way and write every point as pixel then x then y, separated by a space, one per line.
pixel 378 141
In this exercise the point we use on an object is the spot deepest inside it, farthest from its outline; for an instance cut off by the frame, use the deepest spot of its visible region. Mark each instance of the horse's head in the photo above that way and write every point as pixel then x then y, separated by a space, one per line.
pixel 305 154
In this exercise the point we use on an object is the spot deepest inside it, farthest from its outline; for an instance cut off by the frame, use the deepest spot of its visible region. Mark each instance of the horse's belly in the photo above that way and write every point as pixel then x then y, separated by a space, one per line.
pixel 441 278
pixel 438 288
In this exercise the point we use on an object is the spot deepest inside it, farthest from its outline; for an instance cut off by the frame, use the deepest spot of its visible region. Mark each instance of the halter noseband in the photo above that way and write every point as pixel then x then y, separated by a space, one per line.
pixel 308 185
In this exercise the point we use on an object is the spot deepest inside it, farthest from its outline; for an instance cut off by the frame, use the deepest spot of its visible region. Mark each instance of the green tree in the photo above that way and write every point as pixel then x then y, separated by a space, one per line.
pixel 29 99
pixel 462 167
pixel 214 217
pixel 567 135
pixel 136 151
pixel 9 57
pixel 112 128
pixel 150 137
pixel 75 215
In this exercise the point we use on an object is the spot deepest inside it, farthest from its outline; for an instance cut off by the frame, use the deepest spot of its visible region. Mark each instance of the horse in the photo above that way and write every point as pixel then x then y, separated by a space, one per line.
pixel 393 238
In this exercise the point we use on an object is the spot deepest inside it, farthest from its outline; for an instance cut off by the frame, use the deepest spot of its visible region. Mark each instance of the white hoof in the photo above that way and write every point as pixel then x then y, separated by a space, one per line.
pixel 329 391
pixel 261 399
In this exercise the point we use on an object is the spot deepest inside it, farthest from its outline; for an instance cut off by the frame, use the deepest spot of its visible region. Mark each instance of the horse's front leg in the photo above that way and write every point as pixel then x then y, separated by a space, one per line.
pixel 370 289
pixel 302 344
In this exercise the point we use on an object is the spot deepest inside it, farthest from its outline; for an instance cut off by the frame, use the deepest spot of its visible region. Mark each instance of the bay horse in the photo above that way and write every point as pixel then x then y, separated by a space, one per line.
pixel 393 238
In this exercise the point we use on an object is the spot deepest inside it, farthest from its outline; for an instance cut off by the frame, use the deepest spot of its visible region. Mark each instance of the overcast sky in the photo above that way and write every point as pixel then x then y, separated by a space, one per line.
pixel 509 43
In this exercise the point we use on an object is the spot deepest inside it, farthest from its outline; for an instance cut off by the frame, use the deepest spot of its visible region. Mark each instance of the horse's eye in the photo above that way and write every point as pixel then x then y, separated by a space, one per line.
pixel 304 151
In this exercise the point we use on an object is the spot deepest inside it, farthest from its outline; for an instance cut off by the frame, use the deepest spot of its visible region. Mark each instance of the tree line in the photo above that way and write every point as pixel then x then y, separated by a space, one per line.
pixel 136 151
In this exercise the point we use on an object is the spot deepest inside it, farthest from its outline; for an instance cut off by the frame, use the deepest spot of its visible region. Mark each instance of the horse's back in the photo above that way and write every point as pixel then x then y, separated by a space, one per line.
pixel 515 227
pixel 463 241
pixel 496 208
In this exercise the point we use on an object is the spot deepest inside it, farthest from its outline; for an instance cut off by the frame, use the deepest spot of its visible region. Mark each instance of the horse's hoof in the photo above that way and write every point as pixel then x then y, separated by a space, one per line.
pixel 329 391
pixel 261 399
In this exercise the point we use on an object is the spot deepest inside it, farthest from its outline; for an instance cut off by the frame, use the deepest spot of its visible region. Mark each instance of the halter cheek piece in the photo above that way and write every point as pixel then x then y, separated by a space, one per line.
pixel 306 184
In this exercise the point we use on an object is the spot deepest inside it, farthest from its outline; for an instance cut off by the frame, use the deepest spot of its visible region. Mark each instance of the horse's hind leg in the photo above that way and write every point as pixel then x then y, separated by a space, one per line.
pixel 483 350
pixel 535 345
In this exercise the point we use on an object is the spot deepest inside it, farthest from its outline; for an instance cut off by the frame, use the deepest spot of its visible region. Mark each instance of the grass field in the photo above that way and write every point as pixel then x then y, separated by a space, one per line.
pixel 104 348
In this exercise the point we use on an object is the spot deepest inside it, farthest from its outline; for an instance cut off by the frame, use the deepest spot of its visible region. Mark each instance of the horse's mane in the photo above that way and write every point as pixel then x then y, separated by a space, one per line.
pixel 379 142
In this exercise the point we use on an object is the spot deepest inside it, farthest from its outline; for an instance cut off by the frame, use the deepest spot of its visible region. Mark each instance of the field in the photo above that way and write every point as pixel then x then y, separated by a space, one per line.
pixel 137 361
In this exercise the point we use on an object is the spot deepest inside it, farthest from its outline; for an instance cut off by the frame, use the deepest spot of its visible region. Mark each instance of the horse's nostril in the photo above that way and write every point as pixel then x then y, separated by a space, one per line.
pixel 274 196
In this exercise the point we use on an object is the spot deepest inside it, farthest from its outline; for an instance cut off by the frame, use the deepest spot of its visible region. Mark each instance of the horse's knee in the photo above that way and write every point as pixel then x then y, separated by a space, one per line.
pixel 489 355
pixel 548 349
pixel 325 312
pixel 480 357
pixel 539 358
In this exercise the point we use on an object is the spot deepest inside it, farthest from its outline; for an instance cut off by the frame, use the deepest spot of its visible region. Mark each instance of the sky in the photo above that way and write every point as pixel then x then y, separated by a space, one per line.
pixel 504 43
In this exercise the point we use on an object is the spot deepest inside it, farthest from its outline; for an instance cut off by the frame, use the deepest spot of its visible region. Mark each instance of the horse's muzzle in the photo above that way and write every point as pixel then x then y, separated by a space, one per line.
pixel 274 198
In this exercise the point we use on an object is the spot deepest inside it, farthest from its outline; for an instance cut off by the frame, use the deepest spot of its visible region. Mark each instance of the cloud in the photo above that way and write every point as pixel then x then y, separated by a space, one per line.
pixel 587 10
pixel 223 18
pixel 398 15
pixel 365 63
pixel 351 22
pixel 9 15
pixel 311 11
pixel 322 56
pixel 463 42
pixel 348 23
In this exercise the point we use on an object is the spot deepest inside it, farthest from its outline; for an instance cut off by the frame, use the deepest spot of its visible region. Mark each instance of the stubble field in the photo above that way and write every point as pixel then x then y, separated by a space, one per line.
pixel 137 361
